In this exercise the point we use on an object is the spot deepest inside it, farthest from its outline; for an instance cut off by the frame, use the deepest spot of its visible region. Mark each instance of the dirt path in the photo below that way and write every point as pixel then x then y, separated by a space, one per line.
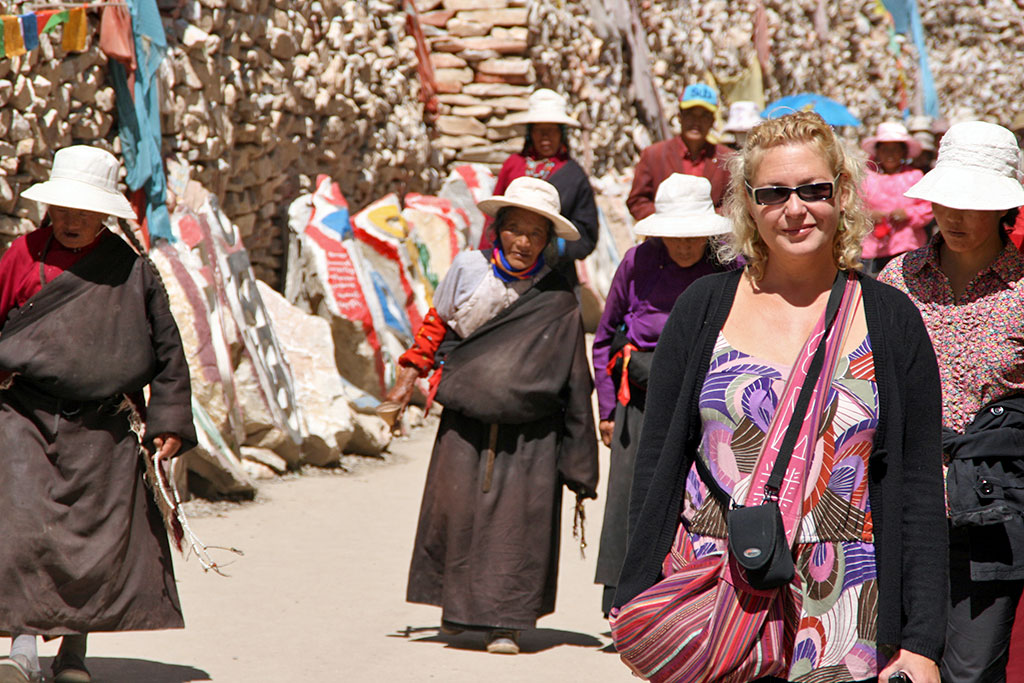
pixel 320 593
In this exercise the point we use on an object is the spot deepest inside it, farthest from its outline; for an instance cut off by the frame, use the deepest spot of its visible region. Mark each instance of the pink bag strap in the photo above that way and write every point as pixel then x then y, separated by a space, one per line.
pixel 790 491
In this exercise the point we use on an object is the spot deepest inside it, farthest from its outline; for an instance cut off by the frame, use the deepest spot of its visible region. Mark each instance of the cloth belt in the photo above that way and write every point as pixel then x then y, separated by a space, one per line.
pixel 624 353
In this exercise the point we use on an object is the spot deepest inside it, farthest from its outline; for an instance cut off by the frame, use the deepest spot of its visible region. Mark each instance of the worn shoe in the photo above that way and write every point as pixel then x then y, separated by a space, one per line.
pixel 69 668
pixel 450 629
pixel 503 641
pixel 15 669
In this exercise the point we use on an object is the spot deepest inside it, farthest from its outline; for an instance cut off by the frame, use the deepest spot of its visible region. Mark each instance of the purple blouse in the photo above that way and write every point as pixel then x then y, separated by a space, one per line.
pixel 643 291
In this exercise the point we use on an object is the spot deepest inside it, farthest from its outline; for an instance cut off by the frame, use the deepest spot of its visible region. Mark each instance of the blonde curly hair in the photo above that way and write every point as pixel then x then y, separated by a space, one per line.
pixel 793 129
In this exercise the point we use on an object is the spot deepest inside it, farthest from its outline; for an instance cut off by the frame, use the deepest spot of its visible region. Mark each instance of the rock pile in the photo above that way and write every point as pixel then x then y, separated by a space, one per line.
pixel 262 96
pixel 482 75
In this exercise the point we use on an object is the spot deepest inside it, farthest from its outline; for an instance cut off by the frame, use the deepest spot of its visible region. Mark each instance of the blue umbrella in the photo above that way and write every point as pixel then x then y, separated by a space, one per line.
pixel 834 113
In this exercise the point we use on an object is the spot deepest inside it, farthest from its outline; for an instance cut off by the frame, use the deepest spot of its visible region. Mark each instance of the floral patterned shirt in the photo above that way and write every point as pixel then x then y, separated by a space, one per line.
pixel 979 341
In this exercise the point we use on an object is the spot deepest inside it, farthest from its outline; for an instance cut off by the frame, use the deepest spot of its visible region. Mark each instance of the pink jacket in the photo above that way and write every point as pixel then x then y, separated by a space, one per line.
pixel 884 193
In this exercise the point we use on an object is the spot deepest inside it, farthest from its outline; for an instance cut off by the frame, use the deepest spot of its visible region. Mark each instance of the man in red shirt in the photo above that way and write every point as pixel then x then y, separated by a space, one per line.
pixel 690 153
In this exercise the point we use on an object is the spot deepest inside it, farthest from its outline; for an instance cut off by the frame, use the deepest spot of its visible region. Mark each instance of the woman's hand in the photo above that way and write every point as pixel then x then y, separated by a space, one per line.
pixel 898 216
pixel 405 382
pixel 167 446
pixel 918 668
pixel 607 429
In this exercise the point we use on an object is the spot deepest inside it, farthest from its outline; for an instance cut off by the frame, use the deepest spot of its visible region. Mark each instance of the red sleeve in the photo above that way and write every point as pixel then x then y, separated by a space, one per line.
pixel 15 263
pixel 641 196
pixel 425 344
pixel 1017 233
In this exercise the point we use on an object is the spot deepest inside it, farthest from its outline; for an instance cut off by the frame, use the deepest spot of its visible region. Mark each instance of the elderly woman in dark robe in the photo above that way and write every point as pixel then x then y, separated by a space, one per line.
pixel 517 425
pixel 545 155
pixel 86 326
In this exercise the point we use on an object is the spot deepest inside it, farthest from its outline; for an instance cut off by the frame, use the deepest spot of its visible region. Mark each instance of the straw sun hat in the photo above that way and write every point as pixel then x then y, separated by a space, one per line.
pixel 978 168
pixel 547 106
pixel 683 208
pixel 538 196
pixel 83 177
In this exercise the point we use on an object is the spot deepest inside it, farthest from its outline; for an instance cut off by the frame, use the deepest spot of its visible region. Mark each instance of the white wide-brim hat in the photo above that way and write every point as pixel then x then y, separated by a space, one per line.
pixel 547 106
pixel 83 177
pixel 683 208
pixel 538 196
pixel 978 168
pixel 892 131
pixel 743 116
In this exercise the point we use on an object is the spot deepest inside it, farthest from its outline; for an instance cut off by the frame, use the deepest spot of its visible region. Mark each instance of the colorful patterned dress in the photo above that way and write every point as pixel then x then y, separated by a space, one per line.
pixel 835 588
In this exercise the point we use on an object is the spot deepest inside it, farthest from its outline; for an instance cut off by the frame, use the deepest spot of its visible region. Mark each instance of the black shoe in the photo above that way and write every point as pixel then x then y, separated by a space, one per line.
pixel 69 668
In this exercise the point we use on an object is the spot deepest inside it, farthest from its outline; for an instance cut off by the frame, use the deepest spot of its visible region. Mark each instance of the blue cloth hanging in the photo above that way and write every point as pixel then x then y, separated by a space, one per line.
pixel 139 116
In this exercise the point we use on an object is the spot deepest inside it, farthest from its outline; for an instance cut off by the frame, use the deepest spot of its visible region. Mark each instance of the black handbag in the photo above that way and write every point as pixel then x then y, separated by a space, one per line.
pixel 757 536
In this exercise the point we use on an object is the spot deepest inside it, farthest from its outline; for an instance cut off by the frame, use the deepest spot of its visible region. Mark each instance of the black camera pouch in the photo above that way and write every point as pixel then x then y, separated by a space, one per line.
pixel 757 540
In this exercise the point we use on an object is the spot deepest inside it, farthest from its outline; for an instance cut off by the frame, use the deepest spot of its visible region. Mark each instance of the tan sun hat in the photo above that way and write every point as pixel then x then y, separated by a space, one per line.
pixel 978 168
pixel 83 177
pixel 547 106
pixel 683 208
pixel 536 195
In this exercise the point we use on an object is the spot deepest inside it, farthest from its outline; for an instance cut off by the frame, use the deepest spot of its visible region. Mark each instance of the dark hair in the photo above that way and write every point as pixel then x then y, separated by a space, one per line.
pixel 528 142
pixel 1009 218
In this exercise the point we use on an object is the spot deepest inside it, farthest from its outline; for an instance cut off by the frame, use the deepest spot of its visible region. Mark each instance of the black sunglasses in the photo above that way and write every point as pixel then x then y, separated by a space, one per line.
pixel 779 194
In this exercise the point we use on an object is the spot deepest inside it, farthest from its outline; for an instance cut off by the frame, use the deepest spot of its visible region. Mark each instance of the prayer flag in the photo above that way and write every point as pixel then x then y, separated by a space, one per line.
pixel 30 30
pixel 52 19
pixel 14 45
pixel 76 31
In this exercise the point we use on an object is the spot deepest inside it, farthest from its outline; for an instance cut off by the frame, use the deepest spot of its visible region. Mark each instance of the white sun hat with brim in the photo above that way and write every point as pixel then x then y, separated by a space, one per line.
pixel 743 116
pixel 683 208
pixel 978 168
pixel 892 131
pixel 546 106
pixel 83 177
pixel 536 195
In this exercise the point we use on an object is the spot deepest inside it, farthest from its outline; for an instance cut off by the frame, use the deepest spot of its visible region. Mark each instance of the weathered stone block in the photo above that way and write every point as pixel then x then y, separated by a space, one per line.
pixel 463 29
pixel 446 60
pixel 437 19
pixel 501 46
pixel 458 125
pixel 496 17
pixel 459 141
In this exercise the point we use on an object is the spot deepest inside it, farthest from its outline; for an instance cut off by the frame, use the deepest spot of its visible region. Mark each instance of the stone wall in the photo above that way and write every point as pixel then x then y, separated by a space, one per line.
pixel 266 95
pixel 263 95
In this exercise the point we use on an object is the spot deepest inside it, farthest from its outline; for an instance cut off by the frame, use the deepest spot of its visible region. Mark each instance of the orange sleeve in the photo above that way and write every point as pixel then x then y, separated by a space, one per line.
pixel 425 344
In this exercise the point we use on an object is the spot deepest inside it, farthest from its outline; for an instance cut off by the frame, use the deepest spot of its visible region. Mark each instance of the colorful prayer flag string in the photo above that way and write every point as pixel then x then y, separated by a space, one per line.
pixel 14 44
pixel 30 31
pixel 75 33
pixel 20 33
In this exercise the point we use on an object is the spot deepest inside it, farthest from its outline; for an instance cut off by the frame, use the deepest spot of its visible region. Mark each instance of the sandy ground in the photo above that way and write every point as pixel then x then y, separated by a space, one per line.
pixel 319 595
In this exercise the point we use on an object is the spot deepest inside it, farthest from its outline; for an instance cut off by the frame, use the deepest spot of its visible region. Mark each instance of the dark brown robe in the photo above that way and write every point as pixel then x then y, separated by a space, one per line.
pixel 84 548
pixel 488 537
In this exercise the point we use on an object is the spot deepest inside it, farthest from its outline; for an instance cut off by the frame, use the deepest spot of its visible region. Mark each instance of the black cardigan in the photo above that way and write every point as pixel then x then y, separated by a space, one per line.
pixel 905 485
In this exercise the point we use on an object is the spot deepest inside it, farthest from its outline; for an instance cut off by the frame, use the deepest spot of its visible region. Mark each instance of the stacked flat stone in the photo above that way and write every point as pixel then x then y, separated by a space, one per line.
pixel 483 73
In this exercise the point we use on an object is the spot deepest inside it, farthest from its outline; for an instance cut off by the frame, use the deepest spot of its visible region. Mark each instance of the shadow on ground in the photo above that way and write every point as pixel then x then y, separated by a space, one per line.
pixel 117 670
pixel 530 642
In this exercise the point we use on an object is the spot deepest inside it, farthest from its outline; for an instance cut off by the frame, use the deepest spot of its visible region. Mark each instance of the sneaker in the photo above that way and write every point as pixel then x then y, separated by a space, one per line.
pixel 503 641
pixel 68 668
pixel 16 669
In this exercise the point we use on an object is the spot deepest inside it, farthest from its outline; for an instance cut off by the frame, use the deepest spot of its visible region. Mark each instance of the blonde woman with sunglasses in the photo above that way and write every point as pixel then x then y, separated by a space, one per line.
pixel 861 503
